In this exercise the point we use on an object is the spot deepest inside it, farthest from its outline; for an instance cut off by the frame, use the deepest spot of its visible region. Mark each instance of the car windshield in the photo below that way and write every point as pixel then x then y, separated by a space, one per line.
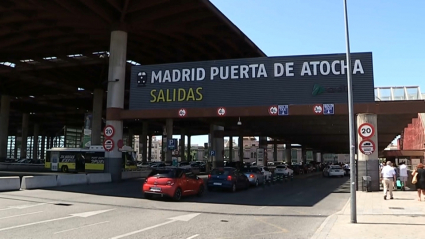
pixel 165 173
pixel 250 170
pixel 281 166
pixel 220 172
pixel 335 167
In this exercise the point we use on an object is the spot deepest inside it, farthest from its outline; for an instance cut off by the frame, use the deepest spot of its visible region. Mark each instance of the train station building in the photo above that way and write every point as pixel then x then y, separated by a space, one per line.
pixel 100 73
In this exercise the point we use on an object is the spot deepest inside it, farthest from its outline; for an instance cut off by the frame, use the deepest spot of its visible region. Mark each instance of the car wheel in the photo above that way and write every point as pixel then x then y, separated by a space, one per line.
pixel 256 183
pixel 148 196
pixel 234 188
pixel 64 169
pixel 177 194
pixel 201 191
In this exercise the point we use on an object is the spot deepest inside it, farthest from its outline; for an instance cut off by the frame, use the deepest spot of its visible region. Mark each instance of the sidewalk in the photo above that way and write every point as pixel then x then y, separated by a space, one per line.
pixel 402 217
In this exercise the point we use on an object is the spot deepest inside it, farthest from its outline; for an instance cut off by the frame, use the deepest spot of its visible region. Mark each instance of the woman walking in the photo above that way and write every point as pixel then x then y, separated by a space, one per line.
pixel 420 179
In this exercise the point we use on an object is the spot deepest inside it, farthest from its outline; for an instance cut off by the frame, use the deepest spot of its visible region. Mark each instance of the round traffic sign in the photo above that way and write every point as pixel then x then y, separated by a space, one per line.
pixel 366 130
pixel 108 144
pixel 221 111
pixel 109 131
pixel 120 143
pixel 367 147
pixel 273 110
pixel 318 109
pixel 182 112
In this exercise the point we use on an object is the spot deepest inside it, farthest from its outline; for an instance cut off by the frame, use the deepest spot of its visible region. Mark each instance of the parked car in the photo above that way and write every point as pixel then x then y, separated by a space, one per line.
pixel 173 182
pixel 333 170
pixel 227 178
pixel 254 175
pixel 266 172
pixel 284 169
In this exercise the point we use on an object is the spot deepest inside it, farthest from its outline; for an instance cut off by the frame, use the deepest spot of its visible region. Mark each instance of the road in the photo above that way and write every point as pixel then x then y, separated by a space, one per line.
pixel 117 210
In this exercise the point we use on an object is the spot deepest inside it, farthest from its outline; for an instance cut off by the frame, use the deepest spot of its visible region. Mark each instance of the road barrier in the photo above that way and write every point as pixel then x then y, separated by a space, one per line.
pixel 33 182
pixel 71 179
pixel 10 183
pixel 98 178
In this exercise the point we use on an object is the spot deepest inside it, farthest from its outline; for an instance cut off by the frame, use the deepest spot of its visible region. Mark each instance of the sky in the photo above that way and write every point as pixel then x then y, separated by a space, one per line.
pixel 391 29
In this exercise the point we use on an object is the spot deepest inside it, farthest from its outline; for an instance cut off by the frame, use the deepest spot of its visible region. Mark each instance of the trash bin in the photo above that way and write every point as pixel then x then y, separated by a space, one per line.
pixel 367 184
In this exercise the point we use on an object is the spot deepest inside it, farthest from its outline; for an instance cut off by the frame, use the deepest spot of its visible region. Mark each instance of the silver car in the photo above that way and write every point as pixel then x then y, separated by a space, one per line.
pixel 254 175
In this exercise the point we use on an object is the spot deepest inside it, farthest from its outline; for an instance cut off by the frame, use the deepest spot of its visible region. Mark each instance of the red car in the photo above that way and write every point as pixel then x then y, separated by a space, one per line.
pixel 174 183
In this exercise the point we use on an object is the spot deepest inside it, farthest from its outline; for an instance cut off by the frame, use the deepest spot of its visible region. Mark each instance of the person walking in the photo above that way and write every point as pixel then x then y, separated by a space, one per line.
pixel 403 175
pixel 420 179
pixel 388 177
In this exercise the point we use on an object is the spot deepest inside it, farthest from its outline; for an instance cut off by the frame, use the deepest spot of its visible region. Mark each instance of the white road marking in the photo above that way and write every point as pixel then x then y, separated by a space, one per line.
pixel 20 215
pixel 193 236
pixel 184 218
pixel 262 207
pixel 84 215
pixel 26 206
pixel 67 230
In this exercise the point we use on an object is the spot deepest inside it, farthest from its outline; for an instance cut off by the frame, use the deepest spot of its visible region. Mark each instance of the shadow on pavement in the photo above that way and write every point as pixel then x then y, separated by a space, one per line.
pixel 305 192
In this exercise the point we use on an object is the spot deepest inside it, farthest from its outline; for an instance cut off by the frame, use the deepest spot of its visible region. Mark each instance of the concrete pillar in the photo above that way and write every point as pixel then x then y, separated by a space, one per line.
pixel 217 145
pixel 182 146
pixel 115 99
pixel 304 155
pixel 263 145
pixel 169 127
pixel 288 154
pixel 368 165
pixel 145 127
pixel 24 134
pixel 51 142
pixel 164 143
pixel 275 150
pixel 43 146
pixel 15 153
pixel 4 125
pixel 240 145
pixel 230 148
pixel 150 148
pixel 189 156
pixel 130 138
pixel 96 124
pixel 35 141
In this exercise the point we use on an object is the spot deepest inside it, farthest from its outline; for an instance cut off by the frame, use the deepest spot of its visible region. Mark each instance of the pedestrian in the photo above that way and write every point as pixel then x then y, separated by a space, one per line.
pixel 403 175
pixel 388 177
pixel 419 176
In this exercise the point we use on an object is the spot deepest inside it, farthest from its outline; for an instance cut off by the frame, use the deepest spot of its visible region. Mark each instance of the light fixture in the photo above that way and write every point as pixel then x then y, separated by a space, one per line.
pixel 239 122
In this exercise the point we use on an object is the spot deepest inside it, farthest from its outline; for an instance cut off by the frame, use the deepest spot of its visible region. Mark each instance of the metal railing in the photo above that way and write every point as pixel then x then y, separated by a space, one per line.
pixel 391 93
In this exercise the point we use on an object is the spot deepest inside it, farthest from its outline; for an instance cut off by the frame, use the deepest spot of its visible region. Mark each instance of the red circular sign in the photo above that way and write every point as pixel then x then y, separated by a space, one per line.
pixel 318 109
pixel 366 130
pixel 108 145
pixel 273 110
pixel 367 147
pixel 182 112
pixel 120 143
pixel 221 111
pixel 109 131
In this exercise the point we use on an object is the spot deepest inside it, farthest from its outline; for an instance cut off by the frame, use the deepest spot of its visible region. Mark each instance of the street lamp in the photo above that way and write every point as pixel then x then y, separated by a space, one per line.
pixel 351 122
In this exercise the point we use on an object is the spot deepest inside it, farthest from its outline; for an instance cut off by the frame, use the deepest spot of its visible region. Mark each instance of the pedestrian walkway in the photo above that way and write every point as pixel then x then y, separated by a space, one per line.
pixel 402 217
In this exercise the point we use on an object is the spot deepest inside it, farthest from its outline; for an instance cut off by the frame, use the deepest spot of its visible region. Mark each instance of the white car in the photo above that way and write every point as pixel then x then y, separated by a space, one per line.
pixel 333 170
pixel 283 169
pixel 266 172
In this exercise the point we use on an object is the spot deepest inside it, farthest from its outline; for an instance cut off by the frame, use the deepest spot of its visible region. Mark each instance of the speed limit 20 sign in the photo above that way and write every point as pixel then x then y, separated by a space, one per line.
pixel 366 130
pixel 109 131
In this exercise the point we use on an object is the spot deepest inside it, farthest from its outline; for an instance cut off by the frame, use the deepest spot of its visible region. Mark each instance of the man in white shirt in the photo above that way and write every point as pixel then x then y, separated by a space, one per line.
pixel 388 177
pixel 403 175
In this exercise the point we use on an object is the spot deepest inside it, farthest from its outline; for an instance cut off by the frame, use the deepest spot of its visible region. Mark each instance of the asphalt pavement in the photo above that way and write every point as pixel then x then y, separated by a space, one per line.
pixel 294 209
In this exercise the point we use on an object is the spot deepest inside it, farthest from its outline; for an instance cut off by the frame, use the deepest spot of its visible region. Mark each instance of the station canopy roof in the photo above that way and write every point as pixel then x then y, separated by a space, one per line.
pixel 54 53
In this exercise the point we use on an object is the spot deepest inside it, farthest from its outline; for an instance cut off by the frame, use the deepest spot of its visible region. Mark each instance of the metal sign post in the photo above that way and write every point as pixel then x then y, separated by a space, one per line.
pixel 351 122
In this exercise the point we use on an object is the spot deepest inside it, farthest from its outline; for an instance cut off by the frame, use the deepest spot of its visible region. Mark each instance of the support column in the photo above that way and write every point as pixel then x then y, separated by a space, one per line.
pixel 164 143
pixel 145 127
pixel 35 142
pixel 4 126
pixel 43 146
pixel 115 101
pixel 288 154
pixel 182 146
pixel 240 147
pixel 188 148
pixel 230 148
pixel 16 148
pixel 96 124
pixel 304 155
pixel 130 138
pixel 275 150
pixel 25 119
pixel 150 148
pixel 263 145
pixel 368 165
pixel 169 126
pixel 217 145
